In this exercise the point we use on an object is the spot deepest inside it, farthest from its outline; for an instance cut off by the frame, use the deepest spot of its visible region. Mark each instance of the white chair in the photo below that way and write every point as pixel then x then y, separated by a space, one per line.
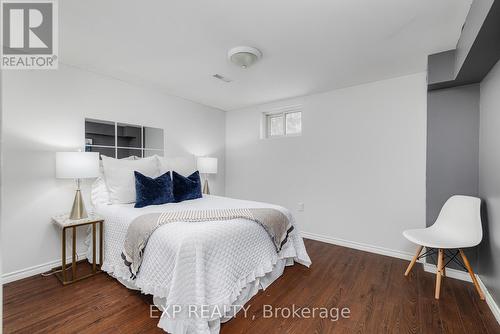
pixel 458 226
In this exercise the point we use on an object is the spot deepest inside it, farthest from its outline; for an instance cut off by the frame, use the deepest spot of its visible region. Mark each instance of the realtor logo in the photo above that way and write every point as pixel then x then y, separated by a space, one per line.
pixel 29 34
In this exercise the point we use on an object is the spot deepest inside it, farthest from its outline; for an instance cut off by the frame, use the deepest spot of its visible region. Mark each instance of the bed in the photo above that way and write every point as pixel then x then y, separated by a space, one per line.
pixel 217 265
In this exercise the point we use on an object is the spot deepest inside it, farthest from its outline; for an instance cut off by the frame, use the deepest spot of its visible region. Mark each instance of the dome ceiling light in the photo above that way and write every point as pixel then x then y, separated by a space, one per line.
pixel 244 56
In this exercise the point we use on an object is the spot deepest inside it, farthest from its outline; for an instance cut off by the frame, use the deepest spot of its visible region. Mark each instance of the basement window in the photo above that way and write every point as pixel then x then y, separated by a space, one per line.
pixel 284 122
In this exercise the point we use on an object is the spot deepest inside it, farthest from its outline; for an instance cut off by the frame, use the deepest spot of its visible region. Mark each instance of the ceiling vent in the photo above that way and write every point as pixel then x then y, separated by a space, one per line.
pixel 221 77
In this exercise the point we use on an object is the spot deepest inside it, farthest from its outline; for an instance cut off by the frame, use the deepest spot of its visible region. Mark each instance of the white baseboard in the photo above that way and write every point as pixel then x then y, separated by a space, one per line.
pixel 453 273
pixel 35 270
pixel 495 309
pixel 358 245
pixel 450 272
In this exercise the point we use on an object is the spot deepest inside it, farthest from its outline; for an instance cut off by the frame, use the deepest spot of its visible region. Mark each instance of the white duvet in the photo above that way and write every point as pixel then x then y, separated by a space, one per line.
pixel 198 263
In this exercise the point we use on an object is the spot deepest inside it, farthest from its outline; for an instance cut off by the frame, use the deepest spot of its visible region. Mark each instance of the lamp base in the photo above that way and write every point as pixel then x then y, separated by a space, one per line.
pixel 78 210
pixel 206 189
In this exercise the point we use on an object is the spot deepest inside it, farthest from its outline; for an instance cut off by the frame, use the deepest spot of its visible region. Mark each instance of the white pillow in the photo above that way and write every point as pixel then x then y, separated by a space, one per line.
pixel 120 179
pixel 99 192
pixel 132 157
pixel 163 164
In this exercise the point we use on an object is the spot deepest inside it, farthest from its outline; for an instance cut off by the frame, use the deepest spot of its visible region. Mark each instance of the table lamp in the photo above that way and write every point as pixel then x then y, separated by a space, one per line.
pixel 206 165
pixel 77 165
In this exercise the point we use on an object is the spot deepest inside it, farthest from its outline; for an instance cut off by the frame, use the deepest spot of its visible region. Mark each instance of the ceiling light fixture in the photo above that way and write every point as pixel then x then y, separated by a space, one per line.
pixel 244 56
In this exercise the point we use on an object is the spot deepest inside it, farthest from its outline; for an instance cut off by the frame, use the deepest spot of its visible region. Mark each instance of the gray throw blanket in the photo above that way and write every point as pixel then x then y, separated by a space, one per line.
pixel 276 224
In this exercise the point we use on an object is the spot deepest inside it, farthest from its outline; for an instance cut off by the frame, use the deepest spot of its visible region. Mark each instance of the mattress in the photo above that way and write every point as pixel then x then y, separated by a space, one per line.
pixel 212 264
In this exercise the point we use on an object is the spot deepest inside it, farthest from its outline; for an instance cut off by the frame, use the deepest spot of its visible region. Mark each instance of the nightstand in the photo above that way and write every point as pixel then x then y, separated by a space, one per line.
pixel 63 222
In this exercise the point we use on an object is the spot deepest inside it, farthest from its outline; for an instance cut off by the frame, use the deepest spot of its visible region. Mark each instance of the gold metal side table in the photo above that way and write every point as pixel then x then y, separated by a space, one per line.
pixel 65 223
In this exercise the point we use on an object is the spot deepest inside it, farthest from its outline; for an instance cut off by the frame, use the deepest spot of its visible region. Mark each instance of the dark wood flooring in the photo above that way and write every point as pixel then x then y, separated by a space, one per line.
pixel 380 299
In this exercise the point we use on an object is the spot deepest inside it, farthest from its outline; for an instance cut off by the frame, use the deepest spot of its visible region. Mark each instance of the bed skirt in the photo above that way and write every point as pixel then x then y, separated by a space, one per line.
pixel 247 292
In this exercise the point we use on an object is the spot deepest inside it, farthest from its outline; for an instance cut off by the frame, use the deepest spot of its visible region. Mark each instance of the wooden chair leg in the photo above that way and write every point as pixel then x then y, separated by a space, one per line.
pixel 439 273
pixel 471 273
pixel 415 258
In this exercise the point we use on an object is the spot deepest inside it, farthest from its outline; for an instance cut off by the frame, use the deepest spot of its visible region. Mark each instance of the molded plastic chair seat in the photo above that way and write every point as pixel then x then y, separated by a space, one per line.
pixel 457 226
pixel 440 237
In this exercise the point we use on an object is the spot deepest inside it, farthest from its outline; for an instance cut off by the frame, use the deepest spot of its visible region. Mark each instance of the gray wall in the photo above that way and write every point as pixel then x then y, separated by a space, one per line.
pixel 489 181
pixel 473 23
pixel 452 148
pixel 441 67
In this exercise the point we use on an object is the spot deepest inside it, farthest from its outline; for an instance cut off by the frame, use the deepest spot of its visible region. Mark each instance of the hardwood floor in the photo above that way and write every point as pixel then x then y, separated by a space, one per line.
pixel 380 299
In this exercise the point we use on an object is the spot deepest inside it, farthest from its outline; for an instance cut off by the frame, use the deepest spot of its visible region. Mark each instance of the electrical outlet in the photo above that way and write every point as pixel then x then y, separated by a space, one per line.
pixel 300 206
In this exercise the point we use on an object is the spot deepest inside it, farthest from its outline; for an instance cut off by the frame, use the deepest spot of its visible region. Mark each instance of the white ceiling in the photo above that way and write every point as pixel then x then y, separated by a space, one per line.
pixel 309 46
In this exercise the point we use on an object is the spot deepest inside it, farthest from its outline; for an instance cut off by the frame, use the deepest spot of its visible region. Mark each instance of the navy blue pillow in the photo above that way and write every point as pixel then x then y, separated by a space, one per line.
pixel 151 191
pixel 186 187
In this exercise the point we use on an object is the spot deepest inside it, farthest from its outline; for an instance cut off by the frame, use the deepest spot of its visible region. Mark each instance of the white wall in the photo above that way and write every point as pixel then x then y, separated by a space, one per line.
pixel 359 166
pixel 43 112
pixel 1 163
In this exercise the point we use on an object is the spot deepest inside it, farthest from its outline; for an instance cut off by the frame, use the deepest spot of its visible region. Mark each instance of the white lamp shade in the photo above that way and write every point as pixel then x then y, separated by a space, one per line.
pixel 207 165
pixel 77 165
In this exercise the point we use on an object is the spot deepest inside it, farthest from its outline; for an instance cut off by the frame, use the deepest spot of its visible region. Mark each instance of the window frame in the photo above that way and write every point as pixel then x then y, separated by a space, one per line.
pixel 282 112
pixel 269 119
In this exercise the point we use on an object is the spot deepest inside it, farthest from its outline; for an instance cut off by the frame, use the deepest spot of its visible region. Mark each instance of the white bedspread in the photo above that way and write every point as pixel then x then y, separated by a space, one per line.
pixel 197 263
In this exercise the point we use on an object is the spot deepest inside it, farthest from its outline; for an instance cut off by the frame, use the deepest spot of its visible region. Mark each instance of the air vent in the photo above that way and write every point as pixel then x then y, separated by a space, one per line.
pixel 221 77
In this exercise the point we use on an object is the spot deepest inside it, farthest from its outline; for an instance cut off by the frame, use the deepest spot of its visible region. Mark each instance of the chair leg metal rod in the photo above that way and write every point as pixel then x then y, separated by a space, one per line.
pixel 428 252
